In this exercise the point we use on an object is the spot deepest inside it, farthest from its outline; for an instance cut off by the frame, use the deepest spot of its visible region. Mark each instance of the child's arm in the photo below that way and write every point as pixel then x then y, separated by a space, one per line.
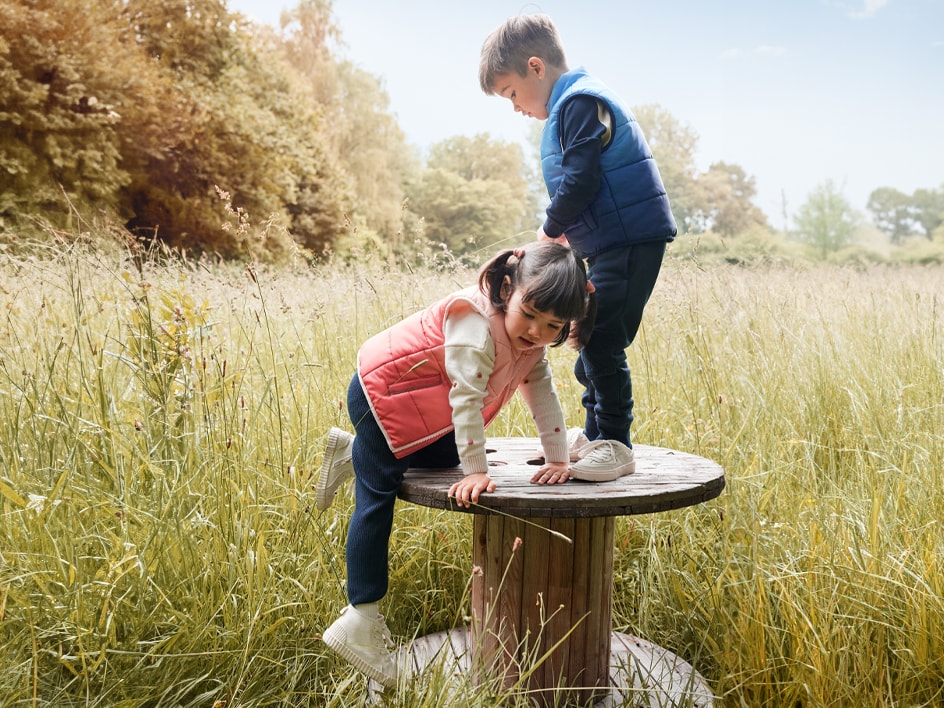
pixel 540 395
pixel 470 358
pixel 583 132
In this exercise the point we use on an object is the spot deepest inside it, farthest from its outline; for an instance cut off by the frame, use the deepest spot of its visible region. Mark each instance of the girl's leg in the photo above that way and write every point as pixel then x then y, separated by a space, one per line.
pixel 377 477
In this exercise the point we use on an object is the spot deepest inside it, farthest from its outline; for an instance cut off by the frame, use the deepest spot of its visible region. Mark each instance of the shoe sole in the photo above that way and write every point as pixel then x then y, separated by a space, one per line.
pixel 622 471
pixel 337 644
pixel 322 499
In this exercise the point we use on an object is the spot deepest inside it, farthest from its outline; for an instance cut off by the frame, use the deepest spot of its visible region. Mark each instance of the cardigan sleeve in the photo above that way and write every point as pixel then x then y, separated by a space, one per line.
pixel 540 396
pixel 470 359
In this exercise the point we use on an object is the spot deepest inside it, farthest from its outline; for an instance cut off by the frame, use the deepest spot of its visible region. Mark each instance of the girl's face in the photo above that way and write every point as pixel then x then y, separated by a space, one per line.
pixel 527 327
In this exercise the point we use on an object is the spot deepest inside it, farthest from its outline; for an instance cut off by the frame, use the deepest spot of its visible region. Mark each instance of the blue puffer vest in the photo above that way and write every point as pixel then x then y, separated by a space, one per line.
pixel 631 206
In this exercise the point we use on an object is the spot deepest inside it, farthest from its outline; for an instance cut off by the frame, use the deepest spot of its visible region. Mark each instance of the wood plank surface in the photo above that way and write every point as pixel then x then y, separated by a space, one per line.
pixel 664 479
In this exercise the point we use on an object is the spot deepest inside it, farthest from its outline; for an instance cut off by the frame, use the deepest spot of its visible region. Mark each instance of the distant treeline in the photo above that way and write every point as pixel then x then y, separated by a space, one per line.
pixel 182 122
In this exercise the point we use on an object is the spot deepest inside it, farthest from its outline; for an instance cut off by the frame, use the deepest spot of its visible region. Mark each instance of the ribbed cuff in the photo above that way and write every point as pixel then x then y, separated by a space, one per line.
pixel 555 450
pixel 476 463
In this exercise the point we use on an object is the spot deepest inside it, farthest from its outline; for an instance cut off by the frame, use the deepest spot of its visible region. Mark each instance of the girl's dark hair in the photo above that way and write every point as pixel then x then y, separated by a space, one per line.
pixel 552 278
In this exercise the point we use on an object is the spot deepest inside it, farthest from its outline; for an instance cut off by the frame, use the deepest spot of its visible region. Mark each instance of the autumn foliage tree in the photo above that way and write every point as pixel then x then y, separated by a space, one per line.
pixel 144 112
pixel 727 200
pixel 62 108
pixel 140 109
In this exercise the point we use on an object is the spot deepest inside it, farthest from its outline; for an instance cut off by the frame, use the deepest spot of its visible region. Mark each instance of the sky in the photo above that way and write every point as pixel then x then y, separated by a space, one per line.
pixel 796 92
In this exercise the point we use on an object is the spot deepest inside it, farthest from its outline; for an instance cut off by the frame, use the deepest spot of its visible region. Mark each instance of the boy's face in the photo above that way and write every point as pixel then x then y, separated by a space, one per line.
pixel 529 93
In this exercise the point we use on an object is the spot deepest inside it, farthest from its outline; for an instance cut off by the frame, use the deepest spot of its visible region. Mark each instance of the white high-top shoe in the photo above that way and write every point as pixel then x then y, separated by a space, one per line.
pixel 336 467
pixel 365 642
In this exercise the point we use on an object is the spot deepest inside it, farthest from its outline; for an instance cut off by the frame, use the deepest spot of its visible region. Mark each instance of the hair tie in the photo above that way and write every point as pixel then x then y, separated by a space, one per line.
pixel 519 253
pixel 590 288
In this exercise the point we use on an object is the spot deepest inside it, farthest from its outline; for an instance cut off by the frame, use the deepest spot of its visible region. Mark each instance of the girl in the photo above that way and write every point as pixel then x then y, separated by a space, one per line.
pixel 425 390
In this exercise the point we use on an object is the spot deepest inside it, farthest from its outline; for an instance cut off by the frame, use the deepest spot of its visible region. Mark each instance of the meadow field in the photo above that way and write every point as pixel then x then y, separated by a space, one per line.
pixel 161 422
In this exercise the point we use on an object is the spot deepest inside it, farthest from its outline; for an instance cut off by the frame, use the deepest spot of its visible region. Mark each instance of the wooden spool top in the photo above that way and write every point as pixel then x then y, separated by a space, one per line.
pixel 664 479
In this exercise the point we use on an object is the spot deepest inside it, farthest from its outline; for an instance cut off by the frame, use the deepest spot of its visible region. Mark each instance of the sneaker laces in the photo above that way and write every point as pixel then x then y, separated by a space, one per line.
pixel 599 451
pixel 382 632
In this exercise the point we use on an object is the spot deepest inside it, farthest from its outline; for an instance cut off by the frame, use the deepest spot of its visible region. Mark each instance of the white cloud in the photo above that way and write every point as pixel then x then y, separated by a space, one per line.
pixel 870 9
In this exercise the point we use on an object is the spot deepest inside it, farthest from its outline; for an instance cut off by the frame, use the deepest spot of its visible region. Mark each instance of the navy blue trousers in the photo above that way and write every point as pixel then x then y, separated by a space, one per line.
pixel 624 279
pixel 377 478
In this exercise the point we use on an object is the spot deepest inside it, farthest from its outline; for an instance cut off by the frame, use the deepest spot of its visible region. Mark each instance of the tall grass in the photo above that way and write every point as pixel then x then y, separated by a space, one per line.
pixel 161 422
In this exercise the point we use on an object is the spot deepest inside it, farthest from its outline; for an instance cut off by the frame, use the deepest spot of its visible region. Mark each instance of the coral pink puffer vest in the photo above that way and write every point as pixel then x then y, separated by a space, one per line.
pixel 403 373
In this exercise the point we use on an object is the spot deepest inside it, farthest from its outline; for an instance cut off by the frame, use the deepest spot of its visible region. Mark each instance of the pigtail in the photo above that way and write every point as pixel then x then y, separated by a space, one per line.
pixel 492 276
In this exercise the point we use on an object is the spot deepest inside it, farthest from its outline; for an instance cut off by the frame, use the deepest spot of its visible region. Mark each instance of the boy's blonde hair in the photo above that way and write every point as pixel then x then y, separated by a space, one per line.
pixel 516 40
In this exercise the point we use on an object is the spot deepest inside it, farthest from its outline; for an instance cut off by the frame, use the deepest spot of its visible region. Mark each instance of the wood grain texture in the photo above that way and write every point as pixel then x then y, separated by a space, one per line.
pixel 543 580
pixel 664 479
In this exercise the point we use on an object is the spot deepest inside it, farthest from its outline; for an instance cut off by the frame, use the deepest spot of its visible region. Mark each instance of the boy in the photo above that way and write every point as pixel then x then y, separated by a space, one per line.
pixel 607 201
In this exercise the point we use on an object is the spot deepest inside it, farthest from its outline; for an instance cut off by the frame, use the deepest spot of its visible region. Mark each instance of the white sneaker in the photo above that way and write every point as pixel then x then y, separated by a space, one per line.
pixel 603 461
pixel 576 441
pixel 365 643
pixel 336 467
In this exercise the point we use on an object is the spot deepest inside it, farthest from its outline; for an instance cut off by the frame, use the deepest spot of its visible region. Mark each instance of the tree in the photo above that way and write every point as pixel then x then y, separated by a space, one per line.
pixel 900 215
pixel 928 206
pixel 826 220
pixel 673 145
pixel 363 133
pixel 140 109
pixel 237 121
pixel 891 212
pixel 465 215
pixel 727 193
pixel 474 192
pixel 63 70
pixel 538 188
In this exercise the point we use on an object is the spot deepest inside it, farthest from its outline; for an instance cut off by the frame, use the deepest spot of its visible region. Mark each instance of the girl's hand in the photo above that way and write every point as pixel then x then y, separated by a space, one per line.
pixel 551 473
pixel 467 490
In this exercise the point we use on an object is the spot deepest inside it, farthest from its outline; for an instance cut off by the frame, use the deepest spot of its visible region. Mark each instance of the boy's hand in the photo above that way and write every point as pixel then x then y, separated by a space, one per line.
pixel 467 490
pixel 551 473
pixel 562 239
